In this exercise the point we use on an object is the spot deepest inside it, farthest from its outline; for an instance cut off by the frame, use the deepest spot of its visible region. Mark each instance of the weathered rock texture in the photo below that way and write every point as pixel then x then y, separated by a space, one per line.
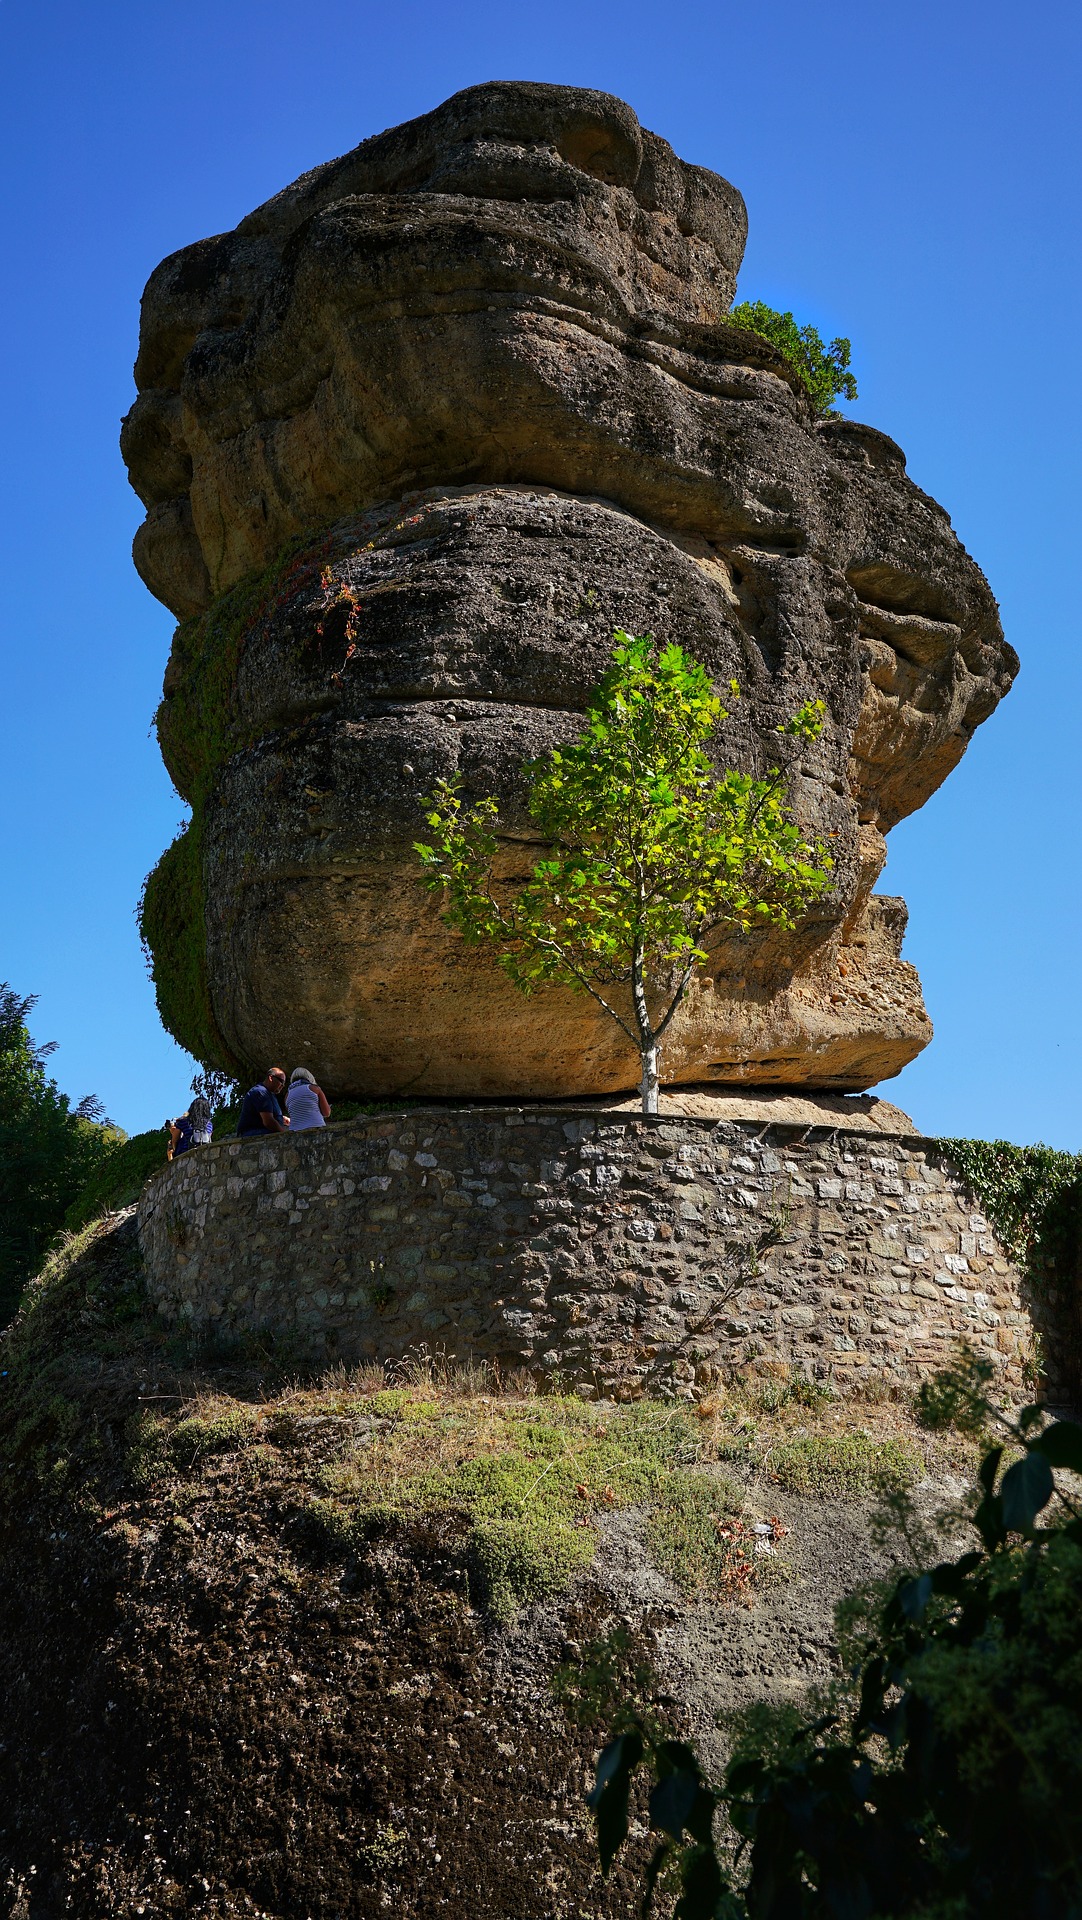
pixel 472 391
pixel 623 1253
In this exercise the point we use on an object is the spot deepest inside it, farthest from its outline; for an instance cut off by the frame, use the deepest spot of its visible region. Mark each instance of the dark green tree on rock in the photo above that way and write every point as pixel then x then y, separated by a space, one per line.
pixel 650 851
pixel 48 1148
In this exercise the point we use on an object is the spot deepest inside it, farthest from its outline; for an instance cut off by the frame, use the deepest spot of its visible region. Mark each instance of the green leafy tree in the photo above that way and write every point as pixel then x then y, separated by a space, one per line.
pixel 650 850
pixel 944 1782
pixel 47 1149
pixel 822 370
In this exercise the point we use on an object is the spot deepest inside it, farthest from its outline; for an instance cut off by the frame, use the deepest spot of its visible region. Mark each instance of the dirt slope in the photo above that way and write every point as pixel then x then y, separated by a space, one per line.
pixel 316 1649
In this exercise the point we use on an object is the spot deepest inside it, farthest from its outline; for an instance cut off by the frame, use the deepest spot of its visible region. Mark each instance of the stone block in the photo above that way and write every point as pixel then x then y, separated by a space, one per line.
pixel 798 1316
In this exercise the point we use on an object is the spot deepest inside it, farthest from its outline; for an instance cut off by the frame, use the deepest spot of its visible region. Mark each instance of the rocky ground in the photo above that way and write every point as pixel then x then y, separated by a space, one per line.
pixel 348 1647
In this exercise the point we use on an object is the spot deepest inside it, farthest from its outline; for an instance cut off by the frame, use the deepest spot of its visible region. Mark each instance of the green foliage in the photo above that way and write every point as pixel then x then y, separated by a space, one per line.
pixel 651 850
pixel 691 1536
pixel 199 728
pixel 48 1149
pixel 172 925
pixel 766 1393
pixel 823 371
pixel 81 1314
pixel 118 1178
pixel 944 1779
pixel 1032 1196
pixel 159 1447
pixel 198 723
pixel 843 1466
pixel 529 1479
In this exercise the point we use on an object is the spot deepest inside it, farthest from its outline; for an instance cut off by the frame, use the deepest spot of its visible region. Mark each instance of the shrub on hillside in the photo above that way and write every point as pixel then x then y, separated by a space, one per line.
pixel 118 1178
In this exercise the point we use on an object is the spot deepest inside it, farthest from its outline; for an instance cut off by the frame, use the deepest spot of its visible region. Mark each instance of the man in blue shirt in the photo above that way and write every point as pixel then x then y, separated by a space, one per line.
pixel 260 1112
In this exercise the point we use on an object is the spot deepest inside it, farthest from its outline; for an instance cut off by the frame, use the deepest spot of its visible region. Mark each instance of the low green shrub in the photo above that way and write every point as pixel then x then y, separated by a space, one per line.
pixel 530 1480
pixel 843 1466
pixel 764 1393
pixel 823 371
pixel 160 1447
pixel 695 1535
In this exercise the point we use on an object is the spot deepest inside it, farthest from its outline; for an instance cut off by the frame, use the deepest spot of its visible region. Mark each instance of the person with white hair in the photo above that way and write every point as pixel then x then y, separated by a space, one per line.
pixel 306 1103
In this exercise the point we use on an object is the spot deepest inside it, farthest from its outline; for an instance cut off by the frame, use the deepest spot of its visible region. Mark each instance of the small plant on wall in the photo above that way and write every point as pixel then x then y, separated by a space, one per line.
pixel 650 850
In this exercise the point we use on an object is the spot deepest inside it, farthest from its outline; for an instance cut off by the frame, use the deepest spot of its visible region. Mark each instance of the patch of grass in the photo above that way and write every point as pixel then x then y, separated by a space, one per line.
pixel 529 1478
pixel 690 1533
pixel 843 1466
pixel 160 1447
pixel 772 1393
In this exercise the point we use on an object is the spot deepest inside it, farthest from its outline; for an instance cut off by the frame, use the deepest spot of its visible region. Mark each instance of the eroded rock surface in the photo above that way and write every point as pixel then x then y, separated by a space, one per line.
pixel 413 440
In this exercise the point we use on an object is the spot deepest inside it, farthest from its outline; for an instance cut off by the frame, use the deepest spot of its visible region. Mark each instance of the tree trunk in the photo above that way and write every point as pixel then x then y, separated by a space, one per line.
pixel 647 1042
pixel 649 1080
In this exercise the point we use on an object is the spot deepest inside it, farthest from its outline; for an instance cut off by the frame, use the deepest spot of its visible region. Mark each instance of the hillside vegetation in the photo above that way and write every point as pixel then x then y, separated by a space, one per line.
pixel 273 1646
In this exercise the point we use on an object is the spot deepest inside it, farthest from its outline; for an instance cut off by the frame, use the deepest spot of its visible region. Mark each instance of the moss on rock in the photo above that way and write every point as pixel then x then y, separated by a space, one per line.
pixel 198 728
pixel 172 923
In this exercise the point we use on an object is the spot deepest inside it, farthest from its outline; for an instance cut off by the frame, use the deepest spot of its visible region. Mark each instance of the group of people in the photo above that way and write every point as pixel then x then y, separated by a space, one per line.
pixel 261 1111
pixel 306 1104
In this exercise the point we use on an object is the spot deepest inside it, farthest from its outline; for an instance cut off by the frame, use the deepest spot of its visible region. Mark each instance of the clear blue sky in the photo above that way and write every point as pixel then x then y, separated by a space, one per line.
pixel 912 178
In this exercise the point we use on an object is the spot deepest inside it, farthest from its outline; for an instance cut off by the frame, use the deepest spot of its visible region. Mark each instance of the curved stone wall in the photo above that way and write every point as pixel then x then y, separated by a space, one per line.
pixel 616 1251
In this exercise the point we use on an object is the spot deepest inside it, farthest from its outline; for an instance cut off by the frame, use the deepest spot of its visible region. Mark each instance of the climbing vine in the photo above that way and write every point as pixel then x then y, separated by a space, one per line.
pixel 197 728
pixel 197 723
pixel 1033 1197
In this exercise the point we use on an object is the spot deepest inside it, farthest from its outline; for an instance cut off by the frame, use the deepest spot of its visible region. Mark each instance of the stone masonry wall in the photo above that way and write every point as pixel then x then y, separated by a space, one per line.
pixel 616 1251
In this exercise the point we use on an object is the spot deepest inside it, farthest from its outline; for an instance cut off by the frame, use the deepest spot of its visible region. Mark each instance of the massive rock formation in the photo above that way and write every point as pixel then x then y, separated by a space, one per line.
pixel 413 440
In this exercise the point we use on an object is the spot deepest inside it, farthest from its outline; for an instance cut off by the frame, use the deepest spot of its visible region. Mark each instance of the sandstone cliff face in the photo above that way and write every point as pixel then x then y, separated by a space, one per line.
pixel 413 440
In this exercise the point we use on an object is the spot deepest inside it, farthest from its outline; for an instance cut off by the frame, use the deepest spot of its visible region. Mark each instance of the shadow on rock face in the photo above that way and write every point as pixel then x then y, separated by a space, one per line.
pixel 477 379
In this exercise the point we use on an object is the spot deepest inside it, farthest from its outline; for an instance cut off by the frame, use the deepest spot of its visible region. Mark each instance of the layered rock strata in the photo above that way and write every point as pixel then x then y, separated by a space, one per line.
pixel 413 440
